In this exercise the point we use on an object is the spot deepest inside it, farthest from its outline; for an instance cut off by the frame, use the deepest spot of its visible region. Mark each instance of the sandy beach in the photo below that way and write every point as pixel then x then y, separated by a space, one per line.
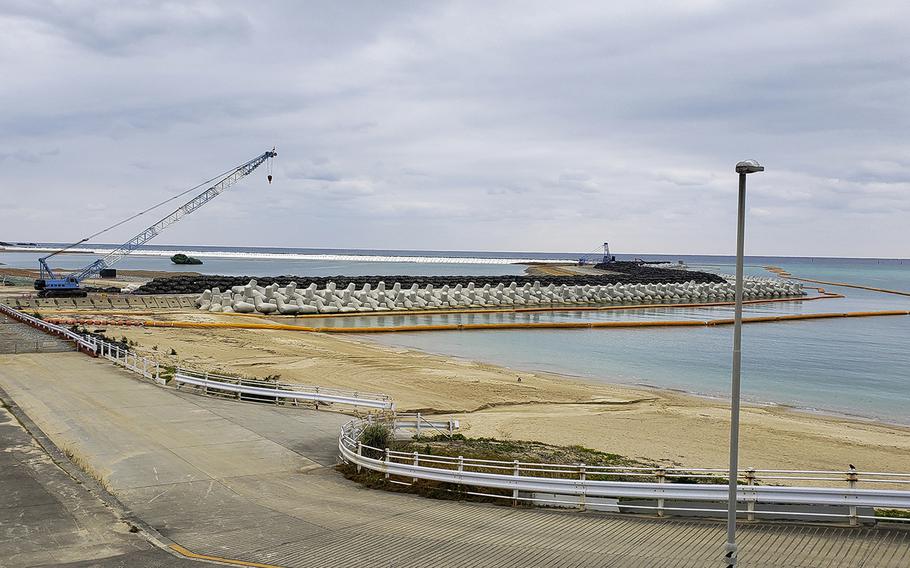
pixel 649 424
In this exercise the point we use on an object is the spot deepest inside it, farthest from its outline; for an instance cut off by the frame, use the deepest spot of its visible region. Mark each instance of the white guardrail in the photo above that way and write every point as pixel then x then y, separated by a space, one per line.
pixel 578 482
pixel 282 391
pixel 148 368
pixel 207 382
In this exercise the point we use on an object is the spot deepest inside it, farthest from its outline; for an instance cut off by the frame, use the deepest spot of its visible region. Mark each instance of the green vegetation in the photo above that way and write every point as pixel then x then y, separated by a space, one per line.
pixel 893 513
pixel 181 258
pixel 167 373
pixel 511 450
pixel 378 435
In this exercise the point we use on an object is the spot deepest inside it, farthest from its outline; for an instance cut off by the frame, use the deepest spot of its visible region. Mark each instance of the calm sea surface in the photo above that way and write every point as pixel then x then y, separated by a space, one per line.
pixel 856 366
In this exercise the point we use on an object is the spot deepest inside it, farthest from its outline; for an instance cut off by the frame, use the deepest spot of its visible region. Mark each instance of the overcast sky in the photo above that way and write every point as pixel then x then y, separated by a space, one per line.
pixel 463 126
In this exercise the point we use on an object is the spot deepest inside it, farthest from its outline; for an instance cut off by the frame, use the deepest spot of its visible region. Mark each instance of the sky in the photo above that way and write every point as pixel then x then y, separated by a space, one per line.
pixel 511 126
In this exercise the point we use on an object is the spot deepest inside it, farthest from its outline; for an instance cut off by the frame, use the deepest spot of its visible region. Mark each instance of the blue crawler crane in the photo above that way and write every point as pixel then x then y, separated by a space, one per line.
pixel 51 285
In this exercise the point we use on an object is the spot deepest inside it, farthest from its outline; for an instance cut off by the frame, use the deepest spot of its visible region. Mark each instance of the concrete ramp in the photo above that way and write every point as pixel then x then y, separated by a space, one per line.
pixel 17 337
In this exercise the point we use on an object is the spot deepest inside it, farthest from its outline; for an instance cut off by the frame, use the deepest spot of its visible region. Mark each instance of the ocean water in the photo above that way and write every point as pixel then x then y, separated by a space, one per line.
pixel 261 262
pixel 854 366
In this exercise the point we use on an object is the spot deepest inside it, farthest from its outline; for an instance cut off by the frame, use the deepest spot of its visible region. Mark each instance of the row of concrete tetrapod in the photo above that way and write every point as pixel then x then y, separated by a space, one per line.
pixel 291 300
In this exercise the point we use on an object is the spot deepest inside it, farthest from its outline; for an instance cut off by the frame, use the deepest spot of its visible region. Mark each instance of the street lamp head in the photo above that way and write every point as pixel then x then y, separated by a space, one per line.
pixel 749 167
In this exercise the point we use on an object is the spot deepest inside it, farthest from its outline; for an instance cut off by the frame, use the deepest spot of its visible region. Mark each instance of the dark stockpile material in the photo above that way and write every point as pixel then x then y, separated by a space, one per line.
pixel 627 272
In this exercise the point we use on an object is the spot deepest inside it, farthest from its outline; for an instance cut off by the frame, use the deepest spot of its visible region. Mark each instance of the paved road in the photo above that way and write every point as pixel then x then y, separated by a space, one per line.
pixel 254 482
pixel 48 519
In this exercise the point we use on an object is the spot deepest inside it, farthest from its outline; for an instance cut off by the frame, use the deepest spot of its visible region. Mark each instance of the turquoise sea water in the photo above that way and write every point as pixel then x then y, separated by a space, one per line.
pixel 856 366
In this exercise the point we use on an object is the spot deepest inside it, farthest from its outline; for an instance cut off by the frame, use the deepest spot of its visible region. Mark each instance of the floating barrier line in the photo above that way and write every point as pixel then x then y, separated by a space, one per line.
pixel 108 321
pixel 784 274
pixel 522 325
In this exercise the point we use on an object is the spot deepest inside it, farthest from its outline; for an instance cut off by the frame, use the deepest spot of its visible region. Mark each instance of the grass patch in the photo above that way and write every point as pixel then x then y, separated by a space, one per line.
pixel 893 513
pixel 377 435
pixel 511 450
pixel 85 466
pixel 493 449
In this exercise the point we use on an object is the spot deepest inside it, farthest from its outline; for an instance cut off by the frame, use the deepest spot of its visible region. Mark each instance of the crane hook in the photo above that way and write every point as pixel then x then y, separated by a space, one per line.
pixel 270 179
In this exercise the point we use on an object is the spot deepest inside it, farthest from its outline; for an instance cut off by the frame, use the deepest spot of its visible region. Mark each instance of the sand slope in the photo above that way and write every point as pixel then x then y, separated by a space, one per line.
pixel 637 422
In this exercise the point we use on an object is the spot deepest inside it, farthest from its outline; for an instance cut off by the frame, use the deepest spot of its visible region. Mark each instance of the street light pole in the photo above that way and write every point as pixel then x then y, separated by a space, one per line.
pixel 742 168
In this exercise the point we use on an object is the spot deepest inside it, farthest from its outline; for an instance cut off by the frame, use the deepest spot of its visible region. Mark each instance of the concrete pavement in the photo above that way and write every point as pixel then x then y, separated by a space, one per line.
pixel 254 482
pixel 47 518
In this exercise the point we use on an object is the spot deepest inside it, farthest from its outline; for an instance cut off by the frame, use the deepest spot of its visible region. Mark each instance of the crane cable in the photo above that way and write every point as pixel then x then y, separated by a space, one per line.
pixel 141 213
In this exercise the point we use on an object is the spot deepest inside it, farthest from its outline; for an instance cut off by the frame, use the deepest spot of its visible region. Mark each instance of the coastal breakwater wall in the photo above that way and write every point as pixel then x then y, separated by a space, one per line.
pixel 621 272
pixel 291 300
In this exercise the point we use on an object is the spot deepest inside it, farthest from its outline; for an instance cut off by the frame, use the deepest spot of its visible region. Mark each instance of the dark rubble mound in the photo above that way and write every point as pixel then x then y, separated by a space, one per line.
pixel 625 272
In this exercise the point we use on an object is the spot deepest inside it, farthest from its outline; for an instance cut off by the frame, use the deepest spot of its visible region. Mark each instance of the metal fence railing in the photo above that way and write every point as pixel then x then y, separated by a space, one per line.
pixel 148 368
pixel 84 342
pixel 279 392
pixel 656 489
pixel 242 388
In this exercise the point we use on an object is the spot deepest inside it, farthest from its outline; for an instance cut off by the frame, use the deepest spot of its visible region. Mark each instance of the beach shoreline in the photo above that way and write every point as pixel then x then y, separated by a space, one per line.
pixel 652 424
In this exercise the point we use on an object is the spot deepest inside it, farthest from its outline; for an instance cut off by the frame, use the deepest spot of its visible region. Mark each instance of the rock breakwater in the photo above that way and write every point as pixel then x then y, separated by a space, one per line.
pixel 625 272
pixel 290 299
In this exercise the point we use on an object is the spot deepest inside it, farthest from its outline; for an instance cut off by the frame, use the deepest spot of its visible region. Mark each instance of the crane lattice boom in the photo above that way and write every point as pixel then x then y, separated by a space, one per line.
pixel 71 282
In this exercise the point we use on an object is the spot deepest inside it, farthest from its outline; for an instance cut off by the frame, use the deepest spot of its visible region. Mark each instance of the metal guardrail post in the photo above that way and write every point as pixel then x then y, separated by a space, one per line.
pixel 516 471
pixel 750 504
pixel 582 504
pixel 661 478
pixel 418 425
pixel 416 463
pixel 387 464
pixel 852 479
pixel 359 454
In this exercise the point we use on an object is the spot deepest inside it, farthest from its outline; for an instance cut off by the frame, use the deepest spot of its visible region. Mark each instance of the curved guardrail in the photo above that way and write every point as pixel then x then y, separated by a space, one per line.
pixel 286 391
pixel 578 482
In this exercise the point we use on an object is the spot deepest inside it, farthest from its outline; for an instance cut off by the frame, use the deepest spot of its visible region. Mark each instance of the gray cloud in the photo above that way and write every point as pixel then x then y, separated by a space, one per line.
pixel 508 125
